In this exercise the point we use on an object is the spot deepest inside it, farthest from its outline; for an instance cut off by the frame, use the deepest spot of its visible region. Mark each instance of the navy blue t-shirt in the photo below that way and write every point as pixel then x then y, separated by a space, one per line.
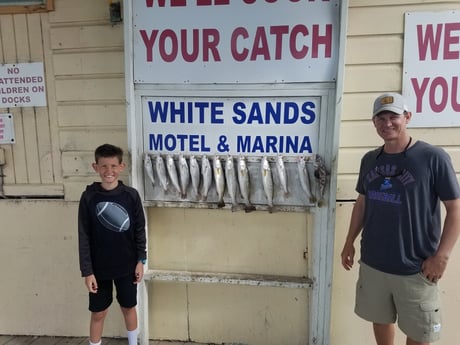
pixel 402 219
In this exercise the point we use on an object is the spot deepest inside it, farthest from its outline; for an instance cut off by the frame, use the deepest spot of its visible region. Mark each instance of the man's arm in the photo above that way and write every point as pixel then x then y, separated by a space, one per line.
pixel 433 267
pixel 356 225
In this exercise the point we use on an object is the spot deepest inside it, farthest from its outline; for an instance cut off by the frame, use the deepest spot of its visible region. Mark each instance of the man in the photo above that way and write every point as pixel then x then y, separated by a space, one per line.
pixel 404 253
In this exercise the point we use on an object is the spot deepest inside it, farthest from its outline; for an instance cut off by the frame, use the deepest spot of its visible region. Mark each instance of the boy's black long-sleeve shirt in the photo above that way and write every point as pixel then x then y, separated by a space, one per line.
pixel 111 231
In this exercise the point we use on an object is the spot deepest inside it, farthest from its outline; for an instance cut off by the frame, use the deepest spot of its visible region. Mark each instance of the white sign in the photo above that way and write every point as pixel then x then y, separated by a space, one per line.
pixel 22 85
pixel 6 129
pixel 235 41
pixel 432 68
pixel 244 126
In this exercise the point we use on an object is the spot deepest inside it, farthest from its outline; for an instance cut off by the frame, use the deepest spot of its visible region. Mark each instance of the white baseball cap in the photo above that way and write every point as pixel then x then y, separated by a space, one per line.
pixel 390 101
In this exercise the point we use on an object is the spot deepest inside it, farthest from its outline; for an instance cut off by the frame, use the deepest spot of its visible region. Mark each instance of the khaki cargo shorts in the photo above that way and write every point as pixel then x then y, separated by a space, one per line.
pixel 411 300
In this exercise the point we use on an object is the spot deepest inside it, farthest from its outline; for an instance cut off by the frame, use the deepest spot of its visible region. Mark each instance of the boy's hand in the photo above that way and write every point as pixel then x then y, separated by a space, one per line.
pixel 139 273
pixel 91 283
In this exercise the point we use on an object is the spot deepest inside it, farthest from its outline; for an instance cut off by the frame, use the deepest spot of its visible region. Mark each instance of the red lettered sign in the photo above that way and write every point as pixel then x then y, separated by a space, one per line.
pixel 235 41
pixel 432 68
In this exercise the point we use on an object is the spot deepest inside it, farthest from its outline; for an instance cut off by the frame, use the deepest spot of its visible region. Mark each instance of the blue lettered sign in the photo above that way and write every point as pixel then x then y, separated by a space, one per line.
pixel 237 126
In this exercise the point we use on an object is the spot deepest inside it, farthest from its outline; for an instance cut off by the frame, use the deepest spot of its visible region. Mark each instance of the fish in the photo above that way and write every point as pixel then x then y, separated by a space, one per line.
pixel 267 182
pixel 244 184
pixel 184 175
pixel 161 172
pixel 231 180
pixel 282 174
pixel 219 180
pixel 195 174
pixel 206 175
pixel 321 175
pixel 148 166
pixel 172 172
pixel 309 162
pixel 303 177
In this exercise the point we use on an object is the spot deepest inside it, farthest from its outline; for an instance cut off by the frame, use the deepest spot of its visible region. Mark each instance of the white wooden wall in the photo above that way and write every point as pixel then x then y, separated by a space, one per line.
pixel 32 163
pixel 86 64
pixel 84 70
pixel 84 67
pixel 374 64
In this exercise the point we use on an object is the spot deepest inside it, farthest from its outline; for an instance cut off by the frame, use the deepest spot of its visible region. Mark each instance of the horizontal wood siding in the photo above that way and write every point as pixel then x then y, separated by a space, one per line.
pixel 86 36
pixel 84 67
pixel 79 115
pixel 83 55
pixel 68 11
pixel 374 64
pixel 84 70
pixel 87 63
pixel 87 59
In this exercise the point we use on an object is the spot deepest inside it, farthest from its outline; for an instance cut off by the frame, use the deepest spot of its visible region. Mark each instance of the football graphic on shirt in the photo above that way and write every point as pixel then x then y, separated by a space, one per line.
pixel 112 216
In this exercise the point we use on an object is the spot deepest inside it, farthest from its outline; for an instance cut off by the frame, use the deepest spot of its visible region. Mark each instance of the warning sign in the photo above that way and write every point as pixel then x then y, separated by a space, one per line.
pixel 22 85
pixel 6 129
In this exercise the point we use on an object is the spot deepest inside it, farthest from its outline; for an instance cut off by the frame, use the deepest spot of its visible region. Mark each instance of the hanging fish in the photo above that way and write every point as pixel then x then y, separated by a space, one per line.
pixel 148 166
pixel 267 182
pixel 243 181
pixel 282 174
pixel 303 177
pixel 172 172
pixel 184 175
pixel 194 174
pixel 219 180
pixel 321 175
pixel 231 181
pixel 309 163
pixel 206 175
pixel 161 172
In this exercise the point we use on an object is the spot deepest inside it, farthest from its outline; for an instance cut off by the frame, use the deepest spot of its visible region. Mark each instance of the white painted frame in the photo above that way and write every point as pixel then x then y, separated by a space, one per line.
pixel 321 241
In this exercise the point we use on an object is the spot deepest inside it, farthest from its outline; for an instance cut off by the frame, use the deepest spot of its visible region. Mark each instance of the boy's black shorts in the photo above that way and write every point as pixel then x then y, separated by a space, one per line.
pixel 126 293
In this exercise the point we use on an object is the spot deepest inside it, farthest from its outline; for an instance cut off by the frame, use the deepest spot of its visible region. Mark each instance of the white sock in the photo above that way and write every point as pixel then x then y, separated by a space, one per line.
pixel 98 343
pixel 132 337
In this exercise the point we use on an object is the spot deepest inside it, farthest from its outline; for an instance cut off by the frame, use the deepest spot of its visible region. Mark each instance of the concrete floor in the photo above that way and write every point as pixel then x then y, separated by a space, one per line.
pixel 45 340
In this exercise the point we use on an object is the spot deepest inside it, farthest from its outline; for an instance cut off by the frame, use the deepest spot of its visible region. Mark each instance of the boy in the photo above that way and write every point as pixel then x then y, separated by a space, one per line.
pixel 112 243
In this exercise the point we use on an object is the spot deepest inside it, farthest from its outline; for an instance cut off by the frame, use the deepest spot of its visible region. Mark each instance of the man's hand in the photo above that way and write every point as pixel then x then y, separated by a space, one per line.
pixel 348 254
pixel 433 267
